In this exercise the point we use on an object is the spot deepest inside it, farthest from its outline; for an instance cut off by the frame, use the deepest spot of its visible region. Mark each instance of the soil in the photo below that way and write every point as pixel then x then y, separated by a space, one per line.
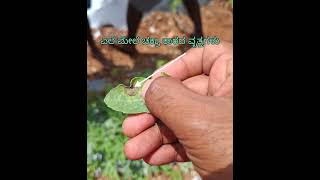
pixel 217 20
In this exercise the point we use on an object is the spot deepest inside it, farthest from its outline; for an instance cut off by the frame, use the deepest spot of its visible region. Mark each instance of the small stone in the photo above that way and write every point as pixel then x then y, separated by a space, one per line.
pixel 152 29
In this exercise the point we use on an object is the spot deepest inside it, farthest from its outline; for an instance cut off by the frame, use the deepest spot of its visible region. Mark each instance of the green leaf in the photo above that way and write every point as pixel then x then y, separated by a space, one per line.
pixel 160 63
pixel 127 99
pixel 135 80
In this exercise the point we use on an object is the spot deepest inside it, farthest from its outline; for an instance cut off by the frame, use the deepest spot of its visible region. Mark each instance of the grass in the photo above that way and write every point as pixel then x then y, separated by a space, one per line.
pixel 174 4
pixel 105 141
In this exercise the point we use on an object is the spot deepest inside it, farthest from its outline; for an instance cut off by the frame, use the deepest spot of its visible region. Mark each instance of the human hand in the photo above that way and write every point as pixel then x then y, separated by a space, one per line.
pixel 194 120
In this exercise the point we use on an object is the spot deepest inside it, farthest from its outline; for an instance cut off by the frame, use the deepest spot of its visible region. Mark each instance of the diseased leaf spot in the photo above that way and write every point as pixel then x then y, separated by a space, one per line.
pixel 131 91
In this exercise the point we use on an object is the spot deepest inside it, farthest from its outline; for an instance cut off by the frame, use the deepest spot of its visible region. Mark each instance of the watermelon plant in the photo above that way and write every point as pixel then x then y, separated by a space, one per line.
pixel 105 142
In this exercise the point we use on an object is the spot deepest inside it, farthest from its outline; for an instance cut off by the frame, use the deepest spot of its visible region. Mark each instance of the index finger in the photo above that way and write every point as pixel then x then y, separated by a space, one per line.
pixel 186 65
pixel 195 61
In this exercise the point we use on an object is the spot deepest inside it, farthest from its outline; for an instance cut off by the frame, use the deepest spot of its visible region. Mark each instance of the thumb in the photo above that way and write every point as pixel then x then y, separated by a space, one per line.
pixel 172 102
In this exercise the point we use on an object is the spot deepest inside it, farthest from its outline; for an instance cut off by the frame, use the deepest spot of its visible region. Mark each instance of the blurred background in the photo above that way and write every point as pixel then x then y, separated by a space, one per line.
pixel 169 18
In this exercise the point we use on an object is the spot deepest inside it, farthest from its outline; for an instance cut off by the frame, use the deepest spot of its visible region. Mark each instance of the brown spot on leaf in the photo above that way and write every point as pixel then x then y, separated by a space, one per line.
pixel 131 91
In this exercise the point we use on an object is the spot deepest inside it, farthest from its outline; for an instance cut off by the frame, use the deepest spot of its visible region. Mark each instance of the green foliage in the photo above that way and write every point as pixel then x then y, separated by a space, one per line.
pixel 105 142
pixel 174 4
pixel 160 62
pixel 144 73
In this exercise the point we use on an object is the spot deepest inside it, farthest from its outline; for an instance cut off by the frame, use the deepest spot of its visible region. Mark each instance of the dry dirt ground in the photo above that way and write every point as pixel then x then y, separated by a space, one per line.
pixel 217 20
